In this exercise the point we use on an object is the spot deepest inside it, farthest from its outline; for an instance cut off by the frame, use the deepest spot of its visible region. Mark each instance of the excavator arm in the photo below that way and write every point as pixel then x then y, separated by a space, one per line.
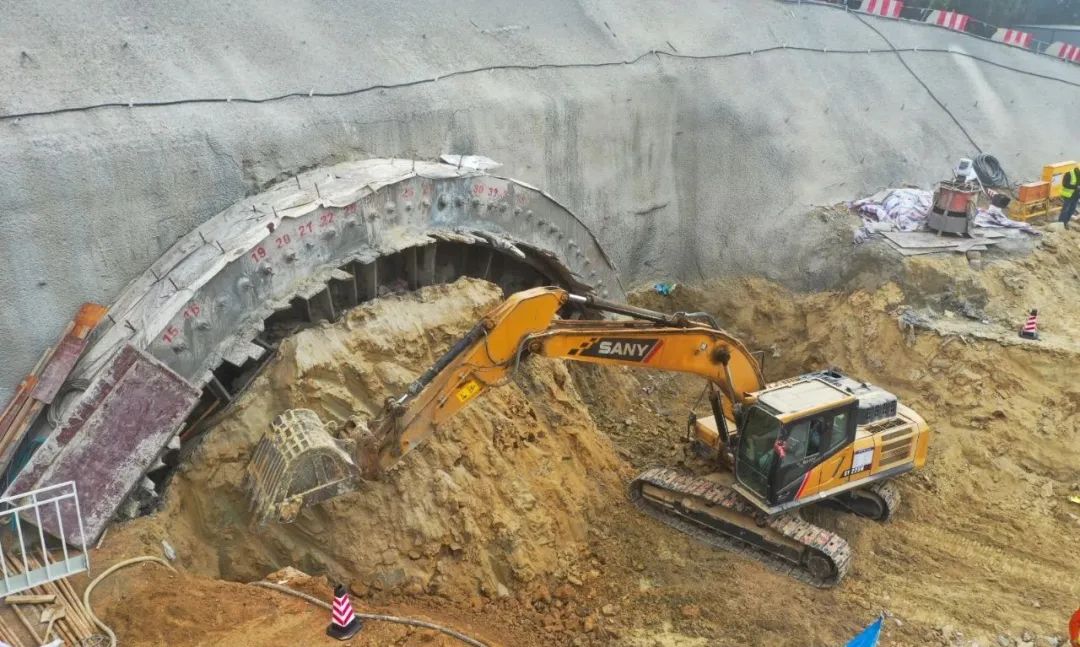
pixel 527 323
pixel 812 438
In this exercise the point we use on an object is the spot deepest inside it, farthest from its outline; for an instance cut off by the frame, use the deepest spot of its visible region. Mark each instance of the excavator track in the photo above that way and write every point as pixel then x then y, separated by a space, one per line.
pixel 711 513
pixel 878 501
pixel 889 495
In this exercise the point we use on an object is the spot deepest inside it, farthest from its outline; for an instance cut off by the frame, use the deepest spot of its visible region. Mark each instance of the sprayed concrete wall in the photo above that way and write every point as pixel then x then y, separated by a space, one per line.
pixel 684 168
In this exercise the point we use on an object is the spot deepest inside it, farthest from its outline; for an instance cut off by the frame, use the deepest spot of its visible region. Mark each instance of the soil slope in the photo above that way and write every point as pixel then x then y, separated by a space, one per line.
pixel 983 546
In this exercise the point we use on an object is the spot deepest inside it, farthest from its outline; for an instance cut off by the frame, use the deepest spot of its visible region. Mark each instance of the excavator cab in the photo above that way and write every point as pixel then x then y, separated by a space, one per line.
pixel 824 436
pixel 774 459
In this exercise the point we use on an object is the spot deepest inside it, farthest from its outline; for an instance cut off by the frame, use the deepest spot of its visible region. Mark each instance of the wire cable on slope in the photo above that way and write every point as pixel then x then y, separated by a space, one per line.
pixel 523 67
pixel 112 569
pixel 920 81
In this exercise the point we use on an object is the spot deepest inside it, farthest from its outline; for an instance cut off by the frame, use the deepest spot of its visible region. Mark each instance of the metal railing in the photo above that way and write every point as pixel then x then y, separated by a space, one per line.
pixel 34 509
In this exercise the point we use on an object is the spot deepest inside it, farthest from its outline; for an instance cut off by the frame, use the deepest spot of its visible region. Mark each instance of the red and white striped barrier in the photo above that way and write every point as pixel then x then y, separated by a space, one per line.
pixel 343 622
pixel 1066 51
pixel 1013 37
pixel 950 19
pixel 887 8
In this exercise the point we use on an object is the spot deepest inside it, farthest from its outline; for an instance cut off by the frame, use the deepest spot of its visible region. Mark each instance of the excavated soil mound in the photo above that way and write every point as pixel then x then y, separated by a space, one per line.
pixel 502 495
pixel 151 606
pixel 522 495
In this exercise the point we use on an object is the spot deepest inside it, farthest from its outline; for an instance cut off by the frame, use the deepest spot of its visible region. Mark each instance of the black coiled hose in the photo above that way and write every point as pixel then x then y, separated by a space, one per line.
pixel 990 172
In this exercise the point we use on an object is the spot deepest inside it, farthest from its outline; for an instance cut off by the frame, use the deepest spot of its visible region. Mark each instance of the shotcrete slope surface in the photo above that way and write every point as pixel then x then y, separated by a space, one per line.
pixel 686 169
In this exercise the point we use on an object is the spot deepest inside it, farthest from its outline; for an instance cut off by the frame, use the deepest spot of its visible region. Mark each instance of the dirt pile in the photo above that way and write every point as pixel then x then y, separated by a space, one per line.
pixel 991 296
pixel 524 492
pixel 151 606
pixel 503 495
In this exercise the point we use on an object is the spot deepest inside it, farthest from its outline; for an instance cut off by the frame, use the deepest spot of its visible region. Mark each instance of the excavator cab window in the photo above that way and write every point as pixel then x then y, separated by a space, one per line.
pixel 756 453
pixel 805 444
pixel 840 433
pixel 772 458
pixel 802 444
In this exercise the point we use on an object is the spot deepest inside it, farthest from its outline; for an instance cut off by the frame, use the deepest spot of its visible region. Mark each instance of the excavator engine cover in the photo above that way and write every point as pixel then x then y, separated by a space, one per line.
pixel 298 464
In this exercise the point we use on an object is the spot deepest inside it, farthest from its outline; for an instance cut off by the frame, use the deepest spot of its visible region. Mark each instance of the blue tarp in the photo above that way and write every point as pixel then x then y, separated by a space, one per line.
pixel 868 637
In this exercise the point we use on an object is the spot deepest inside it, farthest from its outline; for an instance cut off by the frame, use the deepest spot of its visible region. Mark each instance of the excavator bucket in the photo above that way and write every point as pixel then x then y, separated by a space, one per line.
pixel 297 464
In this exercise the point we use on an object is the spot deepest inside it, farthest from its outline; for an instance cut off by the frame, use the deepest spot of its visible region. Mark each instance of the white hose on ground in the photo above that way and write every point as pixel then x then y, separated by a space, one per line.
pixel 112 569
pixel 374 616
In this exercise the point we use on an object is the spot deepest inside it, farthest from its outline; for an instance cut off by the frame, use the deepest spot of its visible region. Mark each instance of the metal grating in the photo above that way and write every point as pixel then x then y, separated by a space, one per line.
pixel 896 451
pixel 884 425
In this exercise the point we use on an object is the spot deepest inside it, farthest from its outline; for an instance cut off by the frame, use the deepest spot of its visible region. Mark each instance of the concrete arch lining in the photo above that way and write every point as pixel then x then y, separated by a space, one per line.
pixel 206 298
pixel 190 333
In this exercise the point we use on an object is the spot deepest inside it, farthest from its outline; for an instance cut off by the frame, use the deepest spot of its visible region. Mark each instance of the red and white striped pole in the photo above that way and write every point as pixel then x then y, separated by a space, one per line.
pixel 343 622
pixel 1031 326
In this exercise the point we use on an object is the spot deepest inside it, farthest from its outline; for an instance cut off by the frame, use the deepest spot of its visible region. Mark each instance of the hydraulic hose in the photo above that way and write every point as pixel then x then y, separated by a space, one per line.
pixel 112 569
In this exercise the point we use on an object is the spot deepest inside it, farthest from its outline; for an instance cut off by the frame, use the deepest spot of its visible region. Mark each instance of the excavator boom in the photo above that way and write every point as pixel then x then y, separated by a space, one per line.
pixel 528 323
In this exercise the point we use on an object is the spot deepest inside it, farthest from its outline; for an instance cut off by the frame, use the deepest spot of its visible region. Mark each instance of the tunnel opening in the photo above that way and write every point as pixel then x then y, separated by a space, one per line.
pixel 351 285
pixel 204 320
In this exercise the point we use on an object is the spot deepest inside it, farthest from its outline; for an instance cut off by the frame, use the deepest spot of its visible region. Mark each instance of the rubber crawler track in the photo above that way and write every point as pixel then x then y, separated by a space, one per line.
pixel 889 494
pixel 790 524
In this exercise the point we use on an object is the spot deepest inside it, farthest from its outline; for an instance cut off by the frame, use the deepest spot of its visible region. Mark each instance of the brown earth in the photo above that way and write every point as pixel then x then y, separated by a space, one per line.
pixel 512 524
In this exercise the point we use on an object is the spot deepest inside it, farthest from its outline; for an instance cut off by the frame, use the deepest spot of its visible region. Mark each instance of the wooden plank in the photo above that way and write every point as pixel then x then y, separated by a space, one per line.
pixel 44 382
pixel 22 394
pixel 66 627
pixel 14 435
pixel 919 240
pixel 9 635
pixel 68 351
pixel 82 617
pixel 26 623
pixel 79 625
pixel 24 598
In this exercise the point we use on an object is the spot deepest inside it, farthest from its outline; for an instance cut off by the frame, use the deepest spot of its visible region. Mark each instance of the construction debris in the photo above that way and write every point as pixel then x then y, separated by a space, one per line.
pixel 51 610
pixel 39 389
pixel 30 599
pixel 907 210
pixel 917 243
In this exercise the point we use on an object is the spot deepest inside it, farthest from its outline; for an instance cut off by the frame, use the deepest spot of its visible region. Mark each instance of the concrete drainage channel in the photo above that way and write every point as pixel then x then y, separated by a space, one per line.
pixel 188 336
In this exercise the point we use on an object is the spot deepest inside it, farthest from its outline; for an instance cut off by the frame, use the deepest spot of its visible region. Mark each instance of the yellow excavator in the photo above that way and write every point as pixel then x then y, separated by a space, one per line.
pixel 819 437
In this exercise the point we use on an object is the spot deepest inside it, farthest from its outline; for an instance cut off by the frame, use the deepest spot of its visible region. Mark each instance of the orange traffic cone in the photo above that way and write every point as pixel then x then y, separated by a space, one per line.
pixel 343 622
pixel 1031 326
